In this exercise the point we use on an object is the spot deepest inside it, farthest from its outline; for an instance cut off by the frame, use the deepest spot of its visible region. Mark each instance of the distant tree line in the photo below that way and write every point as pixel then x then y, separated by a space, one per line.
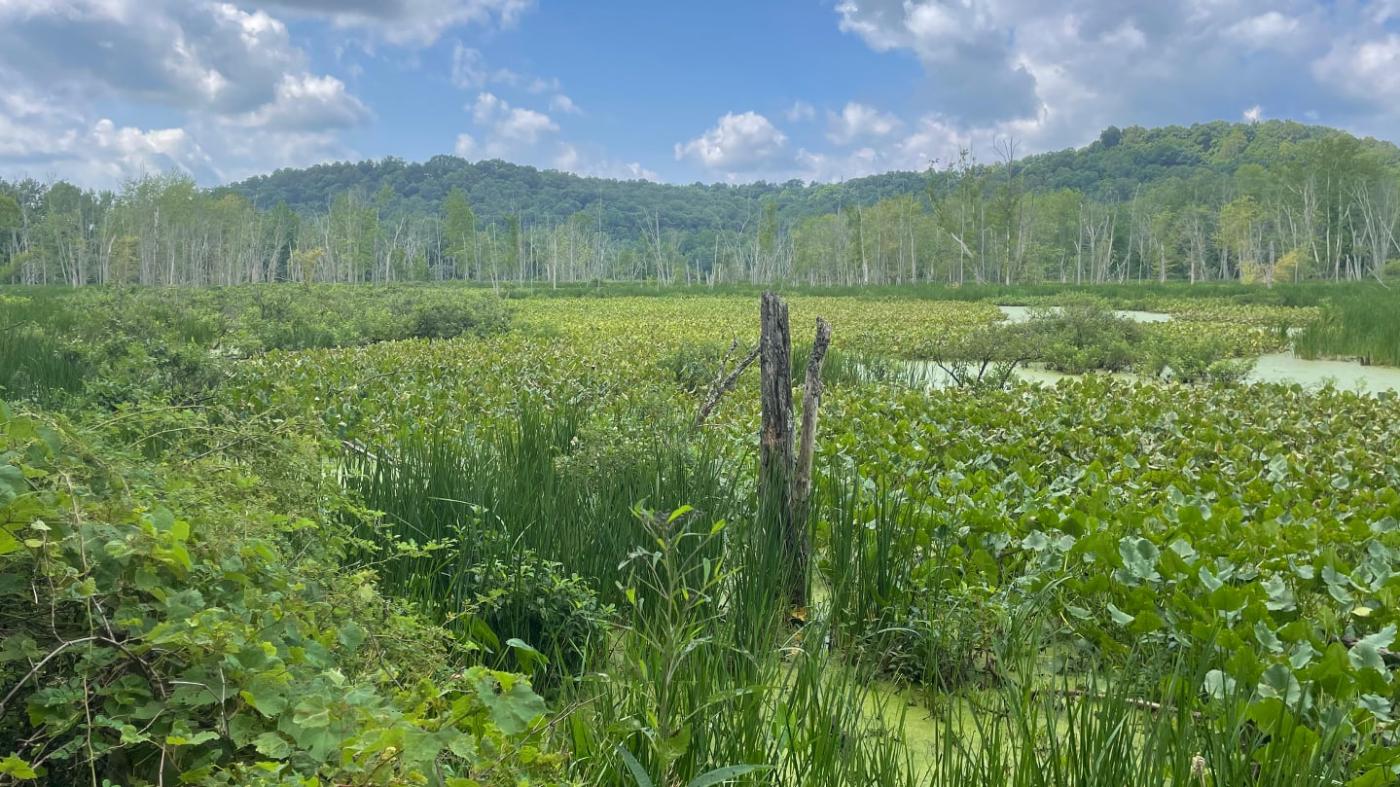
pixel 1262 202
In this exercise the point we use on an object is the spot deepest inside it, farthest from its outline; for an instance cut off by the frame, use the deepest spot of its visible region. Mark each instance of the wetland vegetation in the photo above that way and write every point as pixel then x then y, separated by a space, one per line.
pixel 446 535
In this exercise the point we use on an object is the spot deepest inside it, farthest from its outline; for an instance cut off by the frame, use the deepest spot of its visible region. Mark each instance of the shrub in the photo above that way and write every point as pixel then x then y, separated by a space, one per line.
pixel 478 317
pixel 1194 360
pixel 537 602
pixel 136 652
pixel 986 357
pixel 1084 335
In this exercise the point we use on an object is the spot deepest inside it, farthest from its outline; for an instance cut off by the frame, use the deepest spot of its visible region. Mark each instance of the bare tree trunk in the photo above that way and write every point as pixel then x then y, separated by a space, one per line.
pixel 807 438
pixel 775 450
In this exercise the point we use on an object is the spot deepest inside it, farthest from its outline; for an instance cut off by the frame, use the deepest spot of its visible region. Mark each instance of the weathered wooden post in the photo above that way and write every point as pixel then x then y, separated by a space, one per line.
pixel 775 445
pixel 785 479
pixel 807 437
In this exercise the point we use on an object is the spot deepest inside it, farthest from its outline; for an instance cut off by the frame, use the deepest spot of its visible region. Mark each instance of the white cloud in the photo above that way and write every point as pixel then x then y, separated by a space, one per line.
pixel 1269 29
pixel 526 125
pixel 240 88
pixel 539 85
pixel 486 107
pixel 746 142
pixel 466 146
pixel 471 72
pixel 197 55
pixel 1366 70
pixel 409 22
pixel 45 145
pixel 1254 114
pixel 859 121
pixel 564 105
pixel 308 103
pixel 1055 74
pixel 510 130
pixel 468 67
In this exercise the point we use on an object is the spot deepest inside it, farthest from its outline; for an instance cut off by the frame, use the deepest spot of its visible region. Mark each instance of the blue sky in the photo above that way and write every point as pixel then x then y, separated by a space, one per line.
pixel 99 91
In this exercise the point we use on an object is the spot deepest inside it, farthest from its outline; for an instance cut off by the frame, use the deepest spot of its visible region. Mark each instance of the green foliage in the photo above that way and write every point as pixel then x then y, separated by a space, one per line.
pixel 149 650
pixel 987 356
pixel 1245 525
pixel 1088 583
pixel 554 615
pixel 1083 335
pixel 134 345
pixel 696 367
pixel 477 317
pixel 1364 325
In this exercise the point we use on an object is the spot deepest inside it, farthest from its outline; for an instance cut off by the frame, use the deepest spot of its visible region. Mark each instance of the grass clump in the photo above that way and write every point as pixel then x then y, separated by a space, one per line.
pixel 1361 325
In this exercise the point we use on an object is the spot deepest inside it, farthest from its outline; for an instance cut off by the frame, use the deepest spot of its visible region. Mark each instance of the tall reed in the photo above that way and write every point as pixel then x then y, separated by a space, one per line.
pixel 1360 324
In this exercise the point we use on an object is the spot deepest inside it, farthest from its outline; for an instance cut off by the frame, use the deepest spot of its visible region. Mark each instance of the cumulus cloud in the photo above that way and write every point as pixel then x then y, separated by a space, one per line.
pixel 308 103
pixel 509 130
pixel 742 143
pixel 194 55
pixel 1365 69
pixel 860 121
pixel 965 43
pixel 409 22
pixel 58 144
pixel 1055 74
pixel 243 90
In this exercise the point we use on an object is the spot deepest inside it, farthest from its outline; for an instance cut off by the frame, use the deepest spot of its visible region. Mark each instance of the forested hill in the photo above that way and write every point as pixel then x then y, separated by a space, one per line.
pixel 497 189
pixel 1217 201
pixel 1108 170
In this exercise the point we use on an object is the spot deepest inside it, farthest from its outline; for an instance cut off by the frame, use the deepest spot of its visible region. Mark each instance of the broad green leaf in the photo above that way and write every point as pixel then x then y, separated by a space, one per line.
pixel 1219 685
pixel 1278 682
pixel 1366 653
pixel 270 744
pixel 1119 616
pixel 14 767
pixel 1280 596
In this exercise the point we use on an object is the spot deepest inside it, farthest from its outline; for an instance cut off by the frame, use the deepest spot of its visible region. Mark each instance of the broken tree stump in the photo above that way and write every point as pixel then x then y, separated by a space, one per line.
pixel 776 461
pixel 807 437
pixel 785 476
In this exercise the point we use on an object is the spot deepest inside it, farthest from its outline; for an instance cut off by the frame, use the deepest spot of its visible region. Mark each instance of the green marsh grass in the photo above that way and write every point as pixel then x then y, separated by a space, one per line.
pixel 697 669
pixel 1363 325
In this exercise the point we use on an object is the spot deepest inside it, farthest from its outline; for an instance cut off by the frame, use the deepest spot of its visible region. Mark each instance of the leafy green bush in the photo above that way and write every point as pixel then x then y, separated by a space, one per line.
pixel 138 652
pixel 526 605
pixel 478 317
pixel 987 356
pixel 1084 335
pixel 1194 359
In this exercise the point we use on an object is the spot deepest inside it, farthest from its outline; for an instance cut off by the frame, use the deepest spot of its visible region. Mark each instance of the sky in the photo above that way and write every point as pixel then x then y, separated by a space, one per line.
pixel 101 91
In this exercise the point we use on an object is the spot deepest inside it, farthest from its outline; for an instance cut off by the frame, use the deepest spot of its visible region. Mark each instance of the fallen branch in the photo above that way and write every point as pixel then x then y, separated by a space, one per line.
pixel 723 386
